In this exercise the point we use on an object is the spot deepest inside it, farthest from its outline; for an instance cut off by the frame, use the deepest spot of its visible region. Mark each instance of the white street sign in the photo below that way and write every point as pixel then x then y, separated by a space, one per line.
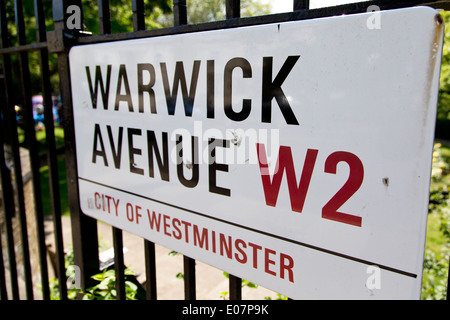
pixel 295 155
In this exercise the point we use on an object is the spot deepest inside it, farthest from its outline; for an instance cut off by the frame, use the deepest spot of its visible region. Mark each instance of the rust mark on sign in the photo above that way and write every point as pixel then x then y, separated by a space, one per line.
pixel 436 43
pixel 438 19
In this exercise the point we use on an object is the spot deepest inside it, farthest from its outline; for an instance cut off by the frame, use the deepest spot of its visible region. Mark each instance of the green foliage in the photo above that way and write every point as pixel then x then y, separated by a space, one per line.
pixel 199 11
pixel 244 283
pixel 157 15
pixel 121 21
pixel 444 85
pixel 173 253
pixel 45 184
pixel 436 263
pixel 30 34
pixel 105 289
pixel 180 276
pixel 439 190
pixel 251 8
pixel 434 284
pixel 122 15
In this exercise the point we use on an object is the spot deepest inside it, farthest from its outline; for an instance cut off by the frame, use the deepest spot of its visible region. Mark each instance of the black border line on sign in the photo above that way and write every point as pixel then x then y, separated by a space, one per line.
pixel 344 256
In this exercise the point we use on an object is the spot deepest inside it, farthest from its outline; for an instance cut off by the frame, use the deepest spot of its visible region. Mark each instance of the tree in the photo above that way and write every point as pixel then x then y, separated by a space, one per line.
pixel 122 15
pixel 121 21
pixel 199 11
pixel 444 83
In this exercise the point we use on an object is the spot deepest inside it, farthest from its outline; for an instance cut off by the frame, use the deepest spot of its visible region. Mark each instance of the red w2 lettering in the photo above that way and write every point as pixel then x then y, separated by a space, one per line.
pixel 298 193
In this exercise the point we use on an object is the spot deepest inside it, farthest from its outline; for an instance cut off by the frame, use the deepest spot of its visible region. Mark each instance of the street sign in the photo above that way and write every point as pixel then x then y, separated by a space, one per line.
pixel 296 155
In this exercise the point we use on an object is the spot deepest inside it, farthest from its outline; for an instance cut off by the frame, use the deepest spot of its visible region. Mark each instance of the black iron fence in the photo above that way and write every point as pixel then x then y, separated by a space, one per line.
pixel 21 157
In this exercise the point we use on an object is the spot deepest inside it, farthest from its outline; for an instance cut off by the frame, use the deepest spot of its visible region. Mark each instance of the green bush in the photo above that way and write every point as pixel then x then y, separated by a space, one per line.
pixel 105 289
pixel 444 83
pixel 436 262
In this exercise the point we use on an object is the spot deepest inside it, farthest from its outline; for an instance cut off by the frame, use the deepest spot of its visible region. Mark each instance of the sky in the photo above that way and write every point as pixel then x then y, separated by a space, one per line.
pixel 286 5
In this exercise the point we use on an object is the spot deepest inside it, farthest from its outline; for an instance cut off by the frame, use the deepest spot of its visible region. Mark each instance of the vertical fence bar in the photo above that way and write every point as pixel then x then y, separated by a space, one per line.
pixel 8 202
pixel 84 228
pixel 104 16
pixel 150 270
pixel 235 287
pixel 10 244
pixel 189 278
pixel 137 7
pixel 52 162
pixel 117 234
pixel 233 10
pixel 4 176
pixel 8 207
pixel 3 291
pixel 8 197
pixel 21 203
pixel 119 263
pixel 179 12
pixel 301 5
pixel 12 129
pixel 33 148
pixel 180 18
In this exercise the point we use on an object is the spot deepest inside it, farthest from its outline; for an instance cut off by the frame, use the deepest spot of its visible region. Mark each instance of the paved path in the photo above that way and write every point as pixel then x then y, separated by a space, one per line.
pixel 210 281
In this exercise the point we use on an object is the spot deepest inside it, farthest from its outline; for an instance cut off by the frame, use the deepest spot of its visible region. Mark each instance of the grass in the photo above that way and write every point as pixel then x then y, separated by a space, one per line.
pixel 437 244
pixel 41 138
pixel 44 172
pixel 435 239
